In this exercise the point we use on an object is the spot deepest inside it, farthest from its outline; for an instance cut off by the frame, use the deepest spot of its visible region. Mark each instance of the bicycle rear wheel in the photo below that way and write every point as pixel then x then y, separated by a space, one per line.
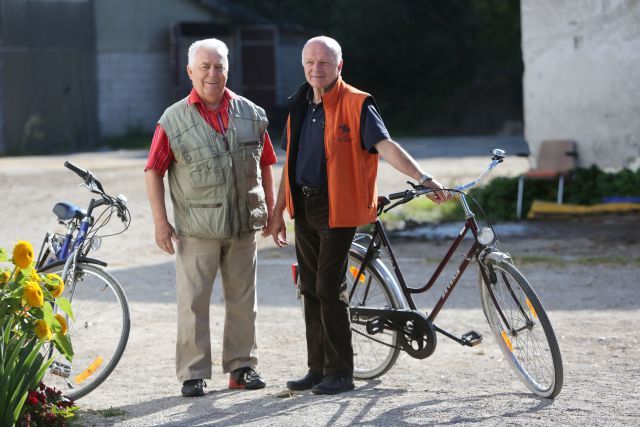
pixel 522 328
pixel 373 355
pixel 98 334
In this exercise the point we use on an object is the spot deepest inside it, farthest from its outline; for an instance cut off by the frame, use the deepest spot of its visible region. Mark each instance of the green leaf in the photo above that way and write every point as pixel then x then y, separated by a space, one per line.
pixel 4 256
pixel 63 344
pixel 47 312
pixel 65 306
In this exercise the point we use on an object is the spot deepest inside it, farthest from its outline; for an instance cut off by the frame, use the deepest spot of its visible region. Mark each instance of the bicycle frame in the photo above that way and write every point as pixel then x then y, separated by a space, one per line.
pixel 380 239
pixel 69 244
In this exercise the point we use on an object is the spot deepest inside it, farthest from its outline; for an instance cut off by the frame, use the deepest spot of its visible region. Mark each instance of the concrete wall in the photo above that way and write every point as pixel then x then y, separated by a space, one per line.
pixel 2 144
pixel 582 77
pixel 133 64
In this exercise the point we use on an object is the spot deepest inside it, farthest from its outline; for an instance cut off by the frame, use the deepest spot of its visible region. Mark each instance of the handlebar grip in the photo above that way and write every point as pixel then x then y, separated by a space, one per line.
pixel 394 196
pixel 84 174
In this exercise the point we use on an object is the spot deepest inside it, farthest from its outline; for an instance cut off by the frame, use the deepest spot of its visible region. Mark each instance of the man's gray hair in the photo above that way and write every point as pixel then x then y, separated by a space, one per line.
pixel 211 44
pixel 330 43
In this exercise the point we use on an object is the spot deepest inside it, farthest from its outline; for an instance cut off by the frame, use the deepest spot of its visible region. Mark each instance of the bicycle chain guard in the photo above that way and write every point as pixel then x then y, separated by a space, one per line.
pixel 417 337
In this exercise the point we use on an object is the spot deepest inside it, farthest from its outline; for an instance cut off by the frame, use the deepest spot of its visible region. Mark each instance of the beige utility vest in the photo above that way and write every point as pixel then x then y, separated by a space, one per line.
pixel 215 182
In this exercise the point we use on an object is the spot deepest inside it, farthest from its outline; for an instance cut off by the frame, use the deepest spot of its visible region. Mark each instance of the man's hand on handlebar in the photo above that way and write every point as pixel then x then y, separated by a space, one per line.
pixel 440 195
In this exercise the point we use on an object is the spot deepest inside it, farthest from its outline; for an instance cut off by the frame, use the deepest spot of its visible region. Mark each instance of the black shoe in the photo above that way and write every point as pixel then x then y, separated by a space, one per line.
pixel 305 383
pixel 333 384
pixel 193 388
pixel 246 378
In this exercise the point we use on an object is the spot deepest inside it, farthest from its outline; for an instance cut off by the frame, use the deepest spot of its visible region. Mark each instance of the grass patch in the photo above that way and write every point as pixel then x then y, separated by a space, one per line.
pixel 608 260
pixel 422 209
pixel 108 413
pixel 563 262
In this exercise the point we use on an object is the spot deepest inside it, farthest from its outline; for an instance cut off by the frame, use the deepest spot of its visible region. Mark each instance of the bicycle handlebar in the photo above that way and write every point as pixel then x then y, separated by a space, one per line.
pixel 407 195
pixel 92 183
pixel 82 173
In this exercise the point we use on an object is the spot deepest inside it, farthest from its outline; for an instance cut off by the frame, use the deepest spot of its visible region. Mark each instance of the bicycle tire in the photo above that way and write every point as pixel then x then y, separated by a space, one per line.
pixel 530 347
pixel 99 333
pixel 373 355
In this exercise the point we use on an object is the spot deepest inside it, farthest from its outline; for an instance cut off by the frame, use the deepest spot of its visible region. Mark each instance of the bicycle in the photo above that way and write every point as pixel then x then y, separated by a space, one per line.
pixel 385 320
pixel 99 330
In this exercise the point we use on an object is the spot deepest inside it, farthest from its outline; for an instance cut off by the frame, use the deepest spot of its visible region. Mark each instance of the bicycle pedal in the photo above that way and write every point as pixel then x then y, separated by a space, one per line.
pixel 471 338
pixel 375 325
pixel 60 369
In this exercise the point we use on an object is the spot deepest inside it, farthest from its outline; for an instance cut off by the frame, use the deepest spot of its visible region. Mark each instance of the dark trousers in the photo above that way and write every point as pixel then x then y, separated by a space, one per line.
pixel 322 254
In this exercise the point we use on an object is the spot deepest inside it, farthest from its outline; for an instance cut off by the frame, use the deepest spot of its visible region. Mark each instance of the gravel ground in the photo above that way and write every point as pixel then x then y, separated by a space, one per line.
pixel 585 272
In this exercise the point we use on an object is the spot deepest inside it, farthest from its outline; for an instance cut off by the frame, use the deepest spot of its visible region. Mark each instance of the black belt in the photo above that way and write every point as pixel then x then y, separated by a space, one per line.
pixel 309 191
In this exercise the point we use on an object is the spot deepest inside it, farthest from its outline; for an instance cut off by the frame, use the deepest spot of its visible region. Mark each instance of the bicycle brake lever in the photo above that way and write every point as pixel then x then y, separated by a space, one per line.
pixel 404 200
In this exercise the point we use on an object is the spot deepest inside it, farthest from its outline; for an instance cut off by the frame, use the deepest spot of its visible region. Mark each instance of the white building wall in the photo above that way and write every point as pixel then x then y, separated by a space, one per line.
pixel 2 144
pixel 582 77
pixel 133 89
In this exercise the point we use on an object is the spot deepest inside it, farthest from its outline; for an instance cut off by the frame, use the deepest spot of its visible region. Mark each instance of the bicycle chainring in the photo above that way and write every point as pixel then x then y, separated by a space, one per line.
pixel 418 337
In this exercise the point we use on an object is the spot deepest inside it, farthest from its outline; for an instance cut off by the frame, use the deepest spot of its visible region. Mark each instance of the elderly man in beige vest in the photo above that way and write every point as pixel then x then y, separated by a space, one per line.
pixel 215 146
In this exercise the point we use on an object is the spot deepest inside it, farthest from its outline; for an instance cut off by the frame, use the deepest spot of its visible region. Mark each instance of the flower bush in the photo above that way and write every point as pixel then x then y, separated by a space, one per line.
pixel 46 406
pixel 27 323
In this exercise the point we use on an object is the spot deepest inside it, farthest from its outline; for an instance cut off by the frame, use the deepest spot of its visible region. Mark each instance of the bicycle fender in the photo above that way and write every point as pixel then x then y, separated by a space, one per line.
pixel 386 275
pixel 80 261
pixel 496 257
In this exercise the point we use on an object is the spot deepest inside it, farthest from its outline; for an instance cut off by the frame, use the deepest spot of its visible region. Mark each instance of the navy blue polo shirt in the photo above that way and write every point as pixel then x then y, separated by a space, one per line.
pixel 311 163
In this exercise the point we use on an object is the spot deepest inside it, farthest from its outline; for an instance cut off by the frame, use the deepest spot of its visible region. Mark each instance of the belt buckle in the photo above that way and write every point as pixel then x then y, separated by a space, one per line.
pixel 310 191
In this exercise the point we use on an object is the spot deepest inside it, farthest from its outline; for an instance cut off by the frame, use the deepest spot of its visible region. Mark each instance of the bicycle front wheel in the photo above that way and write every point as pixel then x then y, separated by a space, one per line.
pixel 522 328
pixel 99 332
pixel 373 355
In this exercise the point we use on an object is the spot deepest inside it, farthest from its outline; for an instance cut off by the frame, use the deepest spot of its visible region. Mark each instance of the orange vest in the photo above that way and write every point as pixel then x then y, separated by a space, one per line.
pixel 351 170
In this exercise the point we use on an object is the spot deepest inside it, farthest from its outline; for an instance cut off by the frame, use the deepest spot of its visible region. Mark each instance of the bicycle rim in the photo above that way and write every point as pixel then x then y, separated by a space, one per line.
pixel 98 334
pixel 528 342
pixel 373 355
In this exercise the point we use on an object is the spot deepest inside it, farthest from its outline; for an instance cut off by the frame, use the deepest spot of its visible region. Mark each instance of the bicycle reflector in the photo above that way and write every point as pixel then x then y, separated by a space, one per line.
pixel 96 242
pixel 294 274
pixel 485 236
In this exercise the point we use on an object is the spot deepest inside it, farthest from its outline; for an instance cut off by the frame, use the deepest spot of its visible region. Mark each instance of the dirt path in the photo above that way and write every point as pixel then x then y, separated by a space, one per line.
pixel 585 272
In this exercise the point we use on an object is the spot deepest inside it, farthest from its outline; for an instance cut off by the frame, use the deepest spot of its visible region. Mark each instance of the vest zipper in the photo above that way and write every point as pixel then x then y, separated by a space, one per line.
pixel 233 169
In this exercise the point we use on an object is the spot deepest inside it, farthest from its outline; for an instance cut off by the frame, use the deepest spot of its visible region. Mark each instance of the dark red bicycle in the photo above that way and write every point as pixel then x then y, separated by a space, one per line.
pixel 385 320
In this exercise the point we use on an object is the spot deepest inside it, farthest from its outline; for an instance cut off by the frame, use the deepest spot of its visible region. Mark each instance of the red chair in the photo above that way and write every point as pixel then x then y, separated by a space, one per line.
pixel 556 159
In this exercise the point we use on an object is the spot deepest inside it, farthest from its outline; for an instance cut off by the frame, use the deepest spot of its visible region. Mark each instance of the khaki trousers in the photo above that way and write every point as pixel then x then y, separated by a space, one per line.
pixel 197 264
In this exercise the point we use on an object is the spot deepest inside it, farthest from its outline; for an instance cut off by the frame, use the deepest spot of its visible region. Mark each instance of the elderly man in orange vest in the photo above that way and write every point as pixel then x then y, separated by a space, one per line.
pixel 333 137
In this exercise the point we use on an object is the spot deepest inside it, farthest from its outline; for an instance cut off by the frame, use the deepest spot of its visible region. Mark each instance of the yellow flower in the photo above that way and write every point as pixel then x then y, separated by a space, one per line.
pixel 57 288
pixel 63 323
pixel 32 294
pixel 4 277
pixel 42 330
pixel 34 276
pixel 22 254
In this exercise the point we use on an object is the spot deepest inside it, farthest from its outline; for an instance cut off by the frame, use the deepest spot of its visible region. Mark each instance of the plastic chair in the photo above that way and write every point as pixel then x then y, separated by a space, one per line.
pixel 556 159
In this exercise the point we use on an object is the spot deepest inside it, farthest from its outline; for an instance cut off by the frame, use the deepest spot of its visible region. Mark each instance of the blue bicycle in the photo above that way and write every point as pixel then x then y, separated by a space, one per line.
pixel 100 328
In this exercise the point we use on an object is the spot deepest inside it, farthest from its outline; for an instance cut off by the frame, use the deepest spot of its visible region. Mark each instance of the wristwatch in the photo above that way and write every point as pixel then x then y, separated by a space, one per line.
pixel 424 178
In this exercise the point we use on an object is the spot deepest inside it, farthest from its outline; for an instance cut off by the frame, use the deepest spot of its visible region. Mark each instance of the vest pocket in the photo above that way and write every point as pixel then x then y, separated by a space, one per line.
pixel 209 218
pixel 205 175
pixel 257 208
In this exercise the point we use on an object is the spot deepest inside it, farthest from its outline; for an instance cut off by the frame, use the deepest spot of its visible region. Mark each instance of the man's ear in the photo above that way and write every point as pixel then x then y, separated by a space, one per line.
pixel 340 66
pixel 189 71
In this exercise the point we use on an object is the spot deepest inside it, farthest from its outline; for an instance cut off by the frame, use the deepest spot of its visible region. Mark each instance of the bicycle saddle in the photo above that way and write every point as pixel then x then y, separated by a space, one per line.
pixel 65 211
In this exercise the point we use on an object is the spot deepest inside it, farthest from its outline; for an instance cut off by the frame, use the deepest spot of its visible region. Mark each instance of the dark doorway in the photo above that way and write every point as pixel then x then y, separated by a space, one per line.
pixel 48 76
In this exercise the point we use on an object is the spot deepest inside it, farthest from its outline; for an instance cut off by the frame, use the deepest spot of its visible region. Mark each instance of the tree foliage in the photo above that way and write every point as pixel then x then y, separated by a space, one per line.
pixel 440 66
